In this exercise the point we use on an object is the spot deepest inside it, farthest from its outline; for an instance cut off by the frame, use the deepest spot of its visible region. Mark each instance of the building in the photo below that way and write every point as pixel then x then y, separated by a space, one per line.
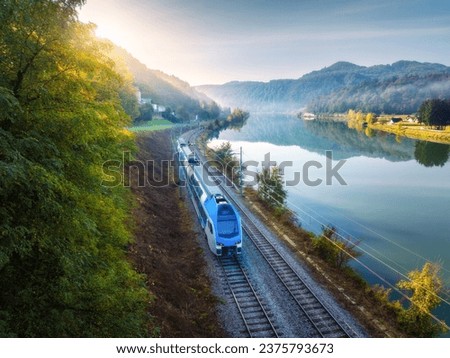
pixel 395 120
pixel 158 108
pixel 138 95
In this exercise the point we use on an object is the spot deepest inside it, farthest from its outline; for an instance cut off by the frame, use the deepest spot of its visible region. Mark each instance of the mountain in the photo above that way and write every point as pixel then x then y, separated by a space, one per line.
pixel 162 88
pixel 397 88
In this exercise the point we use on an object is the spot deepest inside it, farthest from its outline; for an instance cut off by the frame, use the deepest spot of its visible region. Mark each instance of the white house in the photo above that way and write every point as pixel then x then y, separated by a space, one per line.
pixel 158 108
pixel 138 95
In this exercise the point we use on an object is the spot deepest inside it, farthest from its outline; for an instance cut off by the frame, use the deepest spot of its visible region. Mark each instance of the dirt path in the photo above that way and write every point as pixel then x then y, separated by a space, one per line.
pixel 166 249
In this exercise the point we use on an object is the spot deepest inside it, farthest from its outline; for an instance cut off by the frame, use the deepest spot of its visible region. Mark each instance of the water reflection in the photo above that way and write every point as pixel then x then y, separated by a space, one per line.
pixel 321 135
pixel 397 200
pixel 431 154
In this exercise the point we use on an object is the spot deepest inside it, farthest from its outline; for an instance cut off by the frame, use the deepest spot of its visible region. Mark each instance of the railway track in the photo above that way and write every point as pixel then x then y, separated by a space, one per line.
pixel 256 319
pixel 322 320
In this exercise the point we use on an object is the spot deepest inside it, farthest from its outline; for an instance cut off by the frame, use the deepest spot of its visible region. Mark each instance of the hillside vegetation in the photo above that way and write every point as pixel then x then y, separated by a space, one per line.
pixel 397 88
pixel 168 91
pixel 63 230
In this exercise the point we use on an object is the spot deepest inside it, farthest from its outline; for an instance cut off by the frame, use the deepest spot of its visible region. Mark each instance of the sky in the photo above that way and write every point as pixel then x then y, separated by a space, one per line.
pixel 217 41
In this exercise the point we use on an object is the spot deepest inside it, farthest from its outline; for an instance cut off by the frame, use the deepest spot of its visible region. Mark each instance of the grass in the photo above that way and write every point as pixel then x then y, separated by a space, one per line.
pixel 153 125
pixel 415 131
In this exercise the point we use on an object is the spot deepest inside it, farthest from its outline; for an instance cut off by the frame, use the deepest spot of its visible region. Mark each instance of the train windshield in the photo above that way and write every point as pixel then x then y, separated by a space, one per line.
pixel 227 222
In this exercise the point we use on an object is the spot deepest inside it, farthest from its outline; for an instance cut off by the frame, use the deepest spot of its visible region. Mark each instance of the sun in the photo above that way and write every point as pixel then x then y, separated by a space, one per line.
pixel 112 33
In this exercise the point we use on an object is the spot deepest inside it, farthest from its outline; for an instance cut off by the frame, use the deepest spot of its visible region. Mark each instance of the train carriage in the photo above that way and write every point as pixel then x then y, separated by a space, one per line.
pixel 218 218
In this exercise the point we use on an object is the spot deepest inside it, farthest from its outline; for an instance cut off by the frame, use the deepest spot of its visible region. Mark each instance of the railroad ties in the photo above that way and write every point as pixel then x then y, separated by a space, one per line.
pixel 255 317
pixel 324 323
pixel 321 319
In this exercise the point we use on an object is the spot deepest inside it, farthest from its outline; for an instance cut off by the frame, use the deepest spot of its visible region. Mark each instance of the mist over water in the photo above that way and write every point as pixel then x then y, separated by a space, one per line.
pixel 397 197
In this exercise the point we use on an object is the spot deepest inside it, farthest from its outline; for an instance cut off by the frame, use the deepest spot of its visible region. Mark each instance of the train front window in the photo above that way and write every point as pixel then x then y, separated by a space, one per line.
pixel 227 223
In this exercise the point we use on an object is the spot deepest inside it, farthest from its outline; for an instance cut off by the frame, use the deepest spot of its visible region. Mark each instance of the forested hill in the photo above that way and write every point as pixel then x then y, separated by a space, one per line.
pixel 160 87
pixel 397 88
pixel 64 226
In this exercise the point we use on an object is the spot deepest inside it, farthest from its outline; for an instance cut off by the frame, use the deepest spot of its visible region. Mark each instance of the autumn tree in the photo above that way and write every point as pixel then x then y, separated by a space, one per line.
pixel 359 116
pixel 351 114
pixel 424 288
pixel 333 248
pixel 370 118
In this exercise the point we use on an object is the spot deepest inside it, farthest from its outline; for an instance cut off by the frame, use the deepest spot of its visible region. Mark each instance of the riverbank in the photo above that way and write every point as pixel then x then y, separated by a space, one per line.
pixel 352 292
pixel 348 288
pixel 414 131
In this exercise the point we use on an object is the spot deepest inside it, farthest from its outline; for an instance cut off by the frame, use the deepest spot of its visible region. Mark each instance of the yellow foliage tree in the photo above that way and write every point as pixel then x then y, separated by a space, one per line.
pixel 359 116
pixel 370 118
pixel 425 286
pixel 351 114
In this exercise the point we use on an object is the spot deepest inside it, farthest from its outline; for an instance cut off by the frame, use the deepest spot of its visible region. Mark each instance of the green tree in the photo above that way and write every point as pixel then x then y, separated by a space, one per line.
pixel 146 113
pixel 424 287
pixel 169 115
pixel 224 153
pixel 213 110
pixel 435 112
pixel 63 236
pixel 209 110
pixel 331 247
pixel 225 158
pixel 271 187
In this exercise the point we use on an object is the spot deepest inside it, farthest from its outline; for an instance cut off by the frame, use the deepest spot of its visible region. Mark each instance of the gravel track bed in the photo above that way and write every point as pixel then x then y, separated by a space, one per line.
pixel 327 299
pixel 286 316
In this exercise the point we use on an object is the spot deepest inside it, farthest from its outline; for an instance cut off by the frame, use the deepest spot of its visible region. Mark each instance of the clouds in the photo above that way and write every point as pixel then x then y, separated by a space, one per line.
pixel 212 41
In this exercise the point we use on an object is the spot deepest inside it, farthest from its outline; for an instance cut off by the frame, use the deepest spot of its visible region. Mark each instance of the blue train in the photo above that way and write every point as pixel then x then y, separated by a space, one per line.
pixel 218 218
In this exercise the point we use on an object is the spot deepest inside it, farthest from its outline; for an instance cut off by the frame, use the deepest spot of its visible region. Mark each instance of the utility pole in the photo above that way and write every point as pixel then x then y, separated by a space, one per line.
pixel 240 171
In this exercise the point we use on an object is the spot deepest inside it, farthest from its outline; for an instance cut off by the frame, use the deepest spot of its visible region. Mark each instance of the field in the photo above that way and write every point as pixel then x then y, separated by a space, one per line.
pixel 153 125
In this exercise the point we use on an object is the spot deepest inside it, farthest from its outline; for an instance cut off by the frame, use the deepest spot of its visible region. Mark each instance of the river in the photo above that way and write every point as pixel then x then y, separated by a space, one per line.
pixel 393 194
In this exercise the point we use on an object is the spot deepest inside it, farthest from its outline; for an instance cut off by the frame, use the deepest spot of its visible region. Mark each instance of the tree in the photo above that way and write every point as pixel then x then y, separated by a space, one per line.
pixel 424 287
pixel 271 188
pixel 213 110
pixel 169 115
pixel 224 153
pixel 146 112
pixel 331 247
pixel 63 269
pixel 225 157
pixel 237 118
pixel 359 116
pixel 209 110
pixel 351 114
pixel 435 112
pixel 370 118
